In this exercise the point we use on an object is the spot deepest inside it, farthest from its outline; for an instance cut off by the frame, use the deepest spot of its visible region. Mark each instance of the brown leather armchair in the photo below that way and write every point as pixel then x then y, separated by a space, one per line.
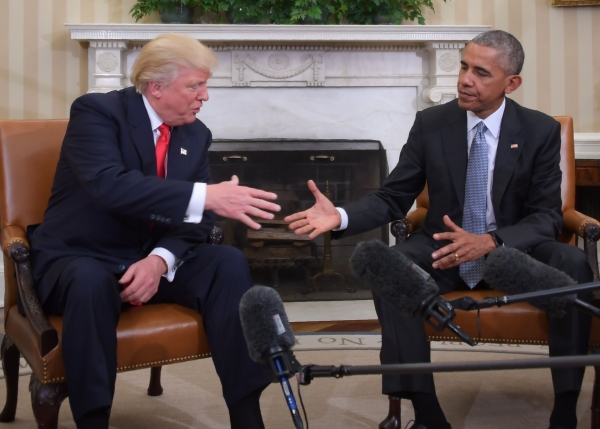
pixel 148 336
pixel 504 325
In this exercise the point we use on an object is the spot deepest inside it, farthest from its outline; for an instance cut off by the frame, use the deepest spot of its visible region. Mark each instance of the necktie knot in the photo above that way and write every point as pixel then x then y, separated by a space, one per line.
pixel 162 146
pixel 480 128
pixel 164 129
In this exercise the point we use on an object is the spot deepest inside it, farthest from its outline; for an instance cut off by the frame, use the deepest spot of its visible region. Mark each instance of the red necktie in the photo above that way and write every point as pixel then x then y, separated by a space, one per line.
pixel 162 146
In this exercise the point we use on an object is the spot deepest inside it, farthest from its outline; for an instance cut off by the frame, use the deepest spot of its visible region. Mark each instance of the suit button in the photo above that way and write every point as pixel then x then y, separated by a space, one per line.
pixel 122 267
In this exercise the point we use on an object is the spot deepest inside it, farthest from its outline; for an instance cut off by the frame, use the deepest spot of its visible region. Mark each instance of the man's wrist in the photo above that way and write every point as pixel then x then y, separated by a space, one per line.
pixel 161 264
pixel 495 238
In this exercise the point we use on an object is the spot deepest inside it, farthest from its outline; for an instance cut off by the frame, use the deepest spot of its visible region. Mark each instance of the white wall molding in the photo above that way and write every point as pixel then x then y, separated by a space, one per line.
pixel 587 145
pixel 289 33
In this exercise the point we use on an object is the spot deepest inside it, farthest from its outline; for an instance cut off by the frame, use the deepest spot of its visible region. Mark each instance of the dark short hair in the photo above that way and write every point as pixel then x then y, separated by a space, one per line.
pixel 510 48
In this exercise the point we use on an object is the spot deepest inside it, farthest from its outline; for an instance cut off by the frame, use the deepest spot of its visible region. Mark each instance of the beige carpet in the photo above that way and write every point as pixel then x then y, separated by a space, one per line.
pixel 477 400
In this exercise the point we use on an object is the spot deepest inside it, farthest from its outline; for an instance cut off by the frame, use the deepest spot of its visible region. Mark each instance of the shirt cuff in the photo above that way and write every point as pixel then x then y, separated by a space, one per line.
pixel 170 259
pixel 344 217
pixel 195 208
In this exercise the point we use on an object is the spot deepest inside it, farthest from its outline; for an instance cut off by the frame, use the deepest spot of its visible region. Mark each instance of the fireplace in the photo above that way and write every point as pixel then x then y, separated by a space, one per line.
pixel 317 85
pixel 300 268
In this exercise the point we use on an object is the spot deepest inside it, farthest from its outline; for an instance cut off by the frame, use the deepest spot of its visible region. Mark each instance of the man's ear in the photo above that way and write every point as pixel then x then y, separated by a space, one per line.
pixel 155 89
pixel 514 82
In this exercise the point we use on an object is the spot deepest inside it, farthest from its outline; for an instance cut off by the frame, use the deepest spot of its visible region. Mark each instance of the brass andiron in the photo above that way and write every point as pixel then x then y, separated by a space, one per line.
pixel 327 261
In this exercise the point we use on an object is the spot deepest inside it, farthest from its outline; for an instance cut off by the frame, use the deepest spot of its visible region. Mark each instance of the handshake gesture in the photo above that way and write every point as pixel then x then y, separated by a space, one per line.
pixel 318 219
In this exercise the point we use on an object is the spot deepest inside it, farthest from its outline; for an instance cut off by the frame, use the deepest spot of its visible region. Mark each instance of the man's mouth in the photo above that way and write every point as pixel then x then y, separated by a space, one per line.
pixel 464 94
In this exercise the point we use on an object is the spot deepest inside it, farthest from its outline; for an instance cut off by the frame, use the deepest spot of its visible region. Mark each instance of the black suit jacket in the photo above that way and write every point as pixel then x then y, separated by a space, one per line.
pixel 526 181
pixel 107 202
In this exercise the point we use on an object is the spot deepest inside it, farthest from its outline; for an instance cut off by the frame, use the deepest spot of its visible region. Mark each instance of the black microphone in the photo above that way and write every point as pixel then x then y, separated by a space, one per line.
pixel 404 285
pixel 269 338
pixel 514 272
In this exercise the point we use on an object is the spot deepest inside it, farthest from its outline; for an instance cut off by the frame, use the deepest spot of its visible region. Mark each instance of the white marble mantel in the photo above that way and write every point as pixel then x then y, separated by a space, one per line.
pixel 313 82
pixel 418 64
pixel 280 33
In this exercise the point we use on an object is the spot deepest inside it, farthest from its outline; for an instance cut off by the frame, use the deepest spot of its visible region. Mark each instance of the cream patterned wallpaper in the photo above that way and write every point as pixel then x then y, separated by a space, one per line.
pixel 42 71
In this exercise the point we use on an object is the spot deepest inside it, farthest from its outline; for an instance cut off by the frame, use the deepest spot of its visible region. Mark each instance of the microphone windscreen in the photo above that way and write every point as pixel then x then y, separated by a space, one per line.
pixel 514 272
pixel 392 276
pixel 264 322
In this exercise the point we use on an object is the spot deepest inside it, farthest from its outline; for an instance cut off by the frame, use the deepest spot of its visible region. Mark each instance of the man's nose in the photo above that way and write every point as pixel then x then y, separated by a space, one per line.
pixel 202 95
pixel 465 79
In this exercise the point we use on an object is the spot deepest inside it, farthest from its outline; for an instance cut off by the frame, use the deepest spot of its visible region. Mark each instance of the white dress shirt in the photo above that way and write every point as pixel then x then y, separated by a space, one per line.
pixel 492 136
pixel 195 208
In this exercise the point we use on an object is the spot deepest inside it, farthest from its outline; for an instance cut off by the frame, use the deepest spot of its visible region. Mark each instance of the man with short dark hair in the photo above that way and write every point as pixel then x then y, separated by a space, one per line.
pixel 127 222
pixel 493 177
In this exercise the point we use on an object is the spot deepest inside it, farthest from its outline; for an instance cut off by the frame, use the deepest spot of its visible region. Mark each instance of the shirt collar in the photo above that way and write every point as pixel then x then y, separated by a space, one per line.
pixel 155 120
pixel 492 122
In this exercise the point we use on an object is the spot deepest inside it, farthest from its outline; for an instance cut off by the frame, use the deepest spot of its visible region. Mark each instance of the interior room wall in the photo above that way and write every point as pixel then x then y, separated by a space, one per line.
pixel 42 71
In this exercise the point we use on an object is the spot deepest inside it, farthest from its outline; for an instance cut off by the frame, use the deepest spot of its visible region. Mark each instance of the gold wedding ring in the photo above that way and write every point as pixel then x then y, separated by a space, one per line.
pixel 456 256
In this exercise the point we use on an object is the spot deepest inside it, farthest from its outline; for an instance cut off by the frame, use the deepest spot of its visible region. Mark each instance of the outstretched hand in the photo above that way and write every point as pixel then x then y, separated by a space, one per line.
pixel 465 246
pixel 318 219
pixel 230 200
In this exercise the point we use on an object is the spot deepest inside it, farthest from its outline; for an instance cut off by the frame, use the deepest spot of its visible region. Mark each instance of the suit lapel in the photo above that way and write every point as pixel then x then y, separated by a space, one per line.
pixel 179 154
pixel 454 139
pixel 510 146
pixel 141 132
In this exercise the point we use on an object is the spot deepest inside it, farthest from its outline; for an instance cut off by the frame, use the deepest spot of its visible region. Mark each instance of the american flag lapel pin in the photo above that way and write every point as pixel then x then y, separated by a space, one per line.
pixel 183 151
pixel 514 146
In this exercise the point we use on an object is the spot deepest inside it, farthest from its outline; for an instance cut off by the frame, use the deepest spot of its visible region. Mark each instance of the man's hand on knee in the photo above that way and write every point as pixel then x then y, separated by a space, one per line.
pixel 140 281
pixel 465 246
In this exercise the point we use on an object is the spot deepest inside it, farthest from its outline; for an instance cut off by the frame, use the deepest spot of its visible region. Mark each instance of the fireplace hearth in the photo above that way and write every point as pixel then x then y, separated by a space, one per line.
pixel 297 267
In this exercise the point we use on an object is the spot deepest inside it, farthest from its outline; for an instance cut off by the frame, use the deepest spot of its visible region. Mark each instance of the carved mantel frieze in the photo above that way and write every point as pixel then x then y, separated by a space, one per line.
pixel 424 57
pixel 109 61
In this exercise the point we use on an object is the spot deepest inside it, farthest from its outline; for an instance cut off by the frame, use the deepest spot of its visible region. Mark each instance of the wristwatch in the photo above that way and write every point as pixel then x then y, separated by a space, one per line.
pixel 497 240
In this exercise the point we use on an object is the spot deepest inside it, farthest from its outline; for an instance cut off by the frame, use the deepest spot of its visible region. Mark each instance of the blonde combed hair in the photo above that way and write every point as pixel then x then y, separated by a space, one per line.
pixel 162 58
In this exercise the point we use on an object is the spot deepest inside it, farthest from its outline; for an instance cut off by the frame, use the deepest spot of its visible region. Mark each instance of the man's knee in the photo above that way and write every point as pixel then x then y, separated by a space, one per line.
pixel 566 258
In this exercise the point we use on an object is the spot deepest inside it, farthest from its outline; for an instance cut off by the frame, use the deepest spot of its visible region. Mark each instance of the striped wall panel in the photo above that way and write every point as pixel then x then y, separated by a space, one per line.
pixel 42 71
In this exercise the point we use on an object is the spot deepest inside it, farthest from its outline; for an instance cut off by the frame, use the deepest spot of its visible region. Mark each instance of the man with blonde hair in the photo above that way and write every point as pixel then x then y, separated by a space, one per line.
pixel 127 223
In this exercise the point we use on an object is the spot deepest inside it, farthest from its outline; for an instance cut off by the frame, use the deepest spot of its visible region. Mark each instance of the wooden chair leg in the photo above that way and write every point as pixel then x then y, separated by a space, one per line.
pixel 596 399
pixel 45 401
pixel 10 365
pixel 392 421
pixel 155 388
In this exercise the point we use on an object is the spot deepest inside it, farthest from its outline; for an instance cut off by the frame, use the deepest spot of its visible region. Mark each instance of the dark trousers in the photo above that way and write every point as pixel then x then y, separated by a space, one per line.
pixel 404 339
pixel 87 295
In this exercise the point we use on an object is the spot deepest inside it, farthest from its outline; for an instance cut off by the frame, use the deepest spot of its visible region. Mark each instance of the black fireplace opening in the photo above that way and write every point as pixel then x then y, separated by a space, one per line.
pixel 300 269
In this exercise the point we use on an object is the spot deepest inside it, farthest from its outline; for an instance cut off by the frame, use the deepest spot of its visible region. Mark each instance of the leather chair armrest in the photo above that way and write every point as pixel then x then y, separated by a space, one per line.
pixel 402 228
pixel 584 226
pixel 16 247
pixel 587 228
pixel 10 236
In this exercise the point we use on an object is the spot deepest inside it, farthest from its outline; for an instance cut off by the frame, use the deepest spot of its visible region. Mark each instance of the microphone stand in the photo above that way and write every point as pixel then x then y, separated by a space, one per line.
pixel 467 303
pixel 309 372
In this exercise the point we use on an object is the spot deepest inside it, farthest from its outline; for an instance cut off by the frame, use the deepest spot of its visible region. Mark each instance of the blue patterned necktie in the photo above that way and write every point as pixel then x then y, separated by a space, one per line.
pixel 474 219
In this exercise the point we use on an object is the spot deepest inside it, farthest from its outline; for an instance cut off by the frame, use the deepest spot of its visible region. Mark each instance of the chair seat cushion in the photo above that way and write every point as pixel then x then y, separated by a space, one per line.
pixel 150 335
pixel 519 323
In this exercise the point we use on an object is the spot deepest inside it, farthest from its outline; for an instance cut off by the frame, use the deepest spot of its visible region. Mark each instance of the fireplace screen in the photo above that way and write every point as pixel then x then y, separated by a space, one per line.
pixel 298 268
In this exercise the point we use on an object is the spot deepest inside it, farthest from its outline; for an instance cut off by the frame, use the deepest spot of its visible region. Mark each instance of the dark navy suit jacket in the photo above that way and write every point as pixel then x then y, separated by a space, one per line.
pixel 107 202
pixel 526 182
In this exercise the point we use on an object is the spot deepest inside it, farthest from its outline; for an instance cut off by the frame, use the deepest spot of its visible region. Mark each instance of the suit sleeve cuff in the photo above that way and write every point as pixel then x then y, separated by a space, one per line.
pixel 344 217
pixel 170 259
pixel 195 209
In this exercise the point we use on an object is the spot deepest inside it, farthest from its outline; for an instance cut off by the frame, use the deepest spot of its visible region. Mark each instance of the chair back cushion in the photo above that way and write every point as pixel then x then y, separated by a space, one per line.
pixel 29 153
